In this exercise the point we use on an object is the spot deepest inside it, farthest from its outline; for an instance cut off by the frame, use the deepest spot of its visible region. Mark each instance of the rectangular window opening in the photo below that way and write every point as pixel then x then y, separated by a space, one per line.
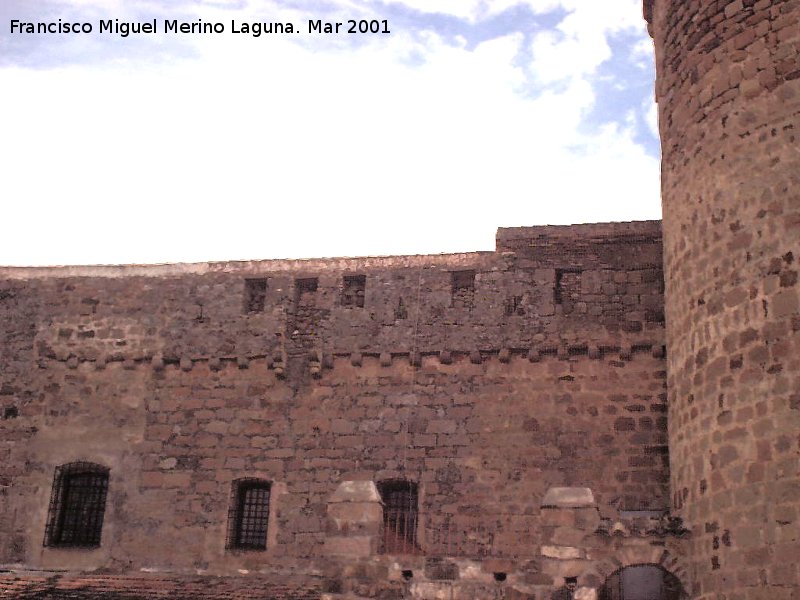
pixel 248 517
pixel 353 290
pixel 462 288
pixel 400 311
pixel 400 517
pixel 255 295
pixel 567 287
pixel 304 290
pixel 77 506
pixel 513 306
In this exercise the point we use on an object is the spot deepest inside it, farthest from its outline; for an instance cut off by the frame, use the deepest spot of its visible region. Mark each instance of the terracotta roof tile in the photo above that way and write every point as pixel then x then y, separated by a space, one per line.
pixel 154 587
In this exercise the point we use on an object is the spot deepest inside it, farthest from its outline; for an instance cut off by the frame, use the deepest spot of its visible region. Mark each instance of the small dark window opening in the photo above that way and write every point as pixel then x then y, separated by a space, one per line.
pixel 248 515
pixel 400 311
pixel 255 295
pixel 304 289
pixel 463 288
pixel 408 574
pixel 513 306
pixel 400 517
pixel 353 289
pixel 558 292
pixel 10 412
pixel 77 506
pixel 499 576
pixel 568 287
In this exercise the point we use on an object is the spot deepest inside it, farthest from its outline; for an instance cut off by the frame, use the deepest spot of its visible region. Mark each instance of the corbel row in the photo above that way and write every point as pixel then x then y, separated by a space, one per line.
pixel 317 361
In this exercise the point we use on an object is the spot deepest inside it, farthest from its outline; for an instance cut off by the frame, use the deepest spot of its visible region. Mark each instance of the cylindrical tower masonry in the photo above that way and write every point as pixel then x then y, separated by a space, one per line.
pixel 728 89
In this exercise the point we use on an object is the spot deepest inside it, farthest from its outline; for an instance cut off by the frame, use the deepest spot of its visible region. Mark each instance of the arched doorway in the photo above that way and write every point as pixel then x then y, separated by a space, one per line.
pixel 641 582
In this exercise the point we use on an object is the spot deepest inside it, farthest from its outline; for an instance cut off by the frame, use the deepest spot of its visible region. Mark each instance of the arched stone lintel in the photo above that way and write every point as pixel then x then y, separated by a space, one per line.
pixel 644 554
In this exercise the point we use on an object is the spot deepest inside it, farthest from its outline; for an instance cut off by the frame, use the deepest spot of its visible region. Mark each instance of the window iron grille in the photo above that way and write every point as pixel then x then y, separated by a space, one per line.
pixel 249 515
pixel 400 517
pixel 307 285
pixel 77 506
pixel 462 280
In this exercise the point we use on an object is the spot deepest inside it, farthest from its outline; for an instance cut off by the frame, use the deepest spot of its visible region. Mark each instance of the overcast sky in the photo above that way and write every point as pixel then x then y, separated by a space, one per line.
pixel 469 115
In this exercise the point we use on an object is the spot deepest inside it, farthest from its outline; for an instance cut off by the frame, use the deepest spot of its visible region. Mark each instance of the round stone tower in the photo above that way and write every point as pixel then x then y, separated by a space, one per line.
pixel 728 89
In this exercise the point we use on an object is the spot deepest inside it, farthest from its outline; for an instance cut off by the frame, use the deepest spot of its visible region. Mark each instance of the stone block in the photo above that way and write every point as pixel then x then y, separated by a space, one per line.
pixel 353 528
pixel 356 491
pixel 558 517
pixel 441 569
pixel 352 546
pixel 568 536
pixel 585 593
pixel 356 512
pixel 431 591
pixel 538 579
pixel 563 552
pixel 568 497
pixel 560 568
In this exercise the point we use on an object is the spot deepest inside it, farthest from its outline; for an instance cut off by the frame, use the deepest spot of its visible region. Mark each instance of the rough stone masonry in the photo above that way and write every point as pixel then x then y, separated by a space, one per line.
pixel 489 381
pixel 729 110
pixel 542 421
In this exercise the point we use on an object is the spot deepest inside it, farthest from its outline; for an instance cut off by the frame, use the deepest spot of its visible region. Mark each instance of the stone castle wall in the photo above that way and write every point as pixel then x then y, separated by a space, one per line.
pixel 486 378
pixel 490 379
pixel 729 106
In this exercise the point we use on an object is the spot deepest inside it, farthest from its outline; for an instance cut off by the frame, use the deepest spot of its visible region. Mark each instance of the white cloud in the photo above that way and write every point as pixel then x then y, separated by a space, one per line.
pixel 610 15
pixel 579 45
pixel 477 10
pixel 268 148
pixel 558 57
pixel 642 52
pixel 464 9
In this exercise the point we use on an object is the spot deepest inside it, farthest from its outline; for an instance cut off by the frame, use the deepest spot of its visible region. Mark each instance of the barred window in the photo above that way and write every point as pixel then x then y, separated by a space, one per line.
pixel 400 516
pixel 77 506
pixel 305 288
pixel 249 514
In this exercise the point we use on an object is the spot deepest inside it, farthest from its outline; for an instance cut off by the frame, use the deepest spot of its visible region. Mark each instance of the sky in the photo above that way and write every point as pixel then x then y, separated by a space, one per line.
pixel 466 116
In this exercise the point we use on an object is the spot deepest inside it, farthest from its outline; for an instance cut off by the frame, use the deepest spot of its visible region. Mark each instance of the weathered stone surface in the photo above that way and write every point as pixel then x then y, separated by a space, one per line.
pixel 177 418
pixel 728 92
pixel 352 546
pixel 356 512
pixel 356 491
pixel 441 569
pixel 585 593
pixel 568 497
pixel 568 536
pixel 562 552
